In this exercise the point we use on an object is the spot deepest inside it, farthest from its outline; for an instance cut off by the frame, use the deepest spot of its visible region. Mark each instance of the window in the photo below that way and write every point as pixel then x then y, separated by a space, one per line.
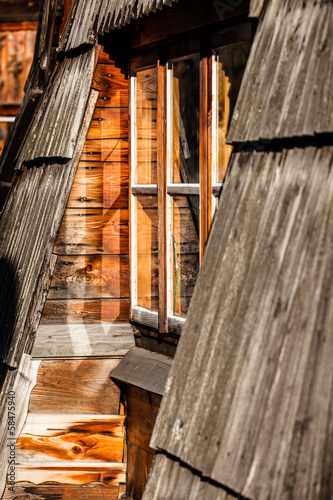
pixel 181 101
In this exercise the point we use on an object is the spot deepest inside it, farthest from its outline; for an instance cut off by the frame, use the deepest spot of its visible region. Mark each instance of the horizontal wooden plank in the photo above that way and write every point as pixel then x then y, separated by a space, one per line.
pixel 100 185
pixel 145 369
pixel 89 231
pixel 74 438
pixel 109 123
pixel 106 150
pixel 75 387
pixel 53 491
pixel 90 277
pixel 112 86
pixel 109 473
pixel 102 339
pixel 85 312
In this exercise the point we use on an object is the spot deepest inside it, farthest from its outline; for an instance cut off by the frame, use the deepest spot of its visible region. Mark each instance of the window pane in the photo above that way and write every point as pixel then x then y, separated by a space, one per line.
pixel 230 66
pixel 147 252
pixel 185 120
pixel 146 122
pixel 184 252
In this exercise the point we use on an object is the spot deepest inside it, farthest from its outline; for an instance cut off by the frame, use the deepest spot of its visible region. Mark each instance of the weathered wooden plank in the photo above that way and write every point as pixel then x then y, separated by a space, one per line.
pixel 93 232
pixel 112 86
pixel 141 409
pixel 102 339
pixel 72 438
pixel 145 369
pixel 109 123
pixel 100 185
pixel 16 386
pixel 75 387
pixel 115 150
pixel 90 277
pixel 53 491
pixel 85 312
pixel 108 473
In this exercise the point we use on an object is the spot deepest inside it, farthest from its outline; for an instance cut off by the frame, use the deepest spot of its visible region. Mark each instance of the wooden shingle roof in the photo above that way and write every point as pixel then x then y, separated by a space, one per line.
pixel 287 86
pixel 248 403
pixel 91 17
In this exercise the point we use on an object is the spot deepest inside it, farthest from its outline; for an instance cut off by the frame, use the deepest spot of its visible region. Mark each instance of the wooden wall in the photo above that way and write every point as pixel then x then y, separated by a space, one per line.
pixel 91 279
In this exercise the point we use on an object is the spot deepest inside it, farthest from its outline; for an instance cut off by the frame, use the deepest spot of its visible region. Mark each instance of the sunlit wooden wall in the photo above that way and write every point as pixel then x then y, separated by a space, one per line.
pixel 91 279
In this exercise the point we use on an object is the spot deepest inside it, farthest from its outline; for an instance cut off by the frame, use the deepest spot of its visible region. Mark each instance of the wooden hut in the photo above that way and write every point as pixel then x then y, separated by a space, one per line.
pixel 118 157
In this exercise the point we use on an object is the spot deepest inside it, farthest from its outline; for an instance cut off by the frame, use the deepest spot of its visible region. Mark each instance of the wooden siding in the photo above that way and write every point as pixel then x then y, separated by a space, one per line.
pixel 286 89
pixel 76 387
pixel 91 279
pixel 251 396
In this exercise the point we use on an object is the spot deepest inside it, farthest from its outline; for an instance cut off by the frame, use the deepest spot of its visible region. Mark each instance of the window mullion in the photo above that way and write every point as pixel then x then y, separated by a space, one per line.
pixel 162 201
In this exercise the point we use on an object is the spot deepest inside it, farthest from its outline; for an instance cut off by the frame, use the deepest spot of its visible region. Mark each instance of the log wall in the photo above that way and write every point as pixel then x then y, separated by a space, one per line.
pixel 91 278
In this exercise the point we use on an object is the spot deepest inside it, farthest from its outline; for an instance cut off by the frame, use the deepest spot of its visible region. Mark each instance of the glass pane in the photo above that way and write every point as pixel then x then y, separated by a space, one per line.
pixel 147 252
pixel 231 62
pixel 184 251
pixel 185 123
pixel 146 122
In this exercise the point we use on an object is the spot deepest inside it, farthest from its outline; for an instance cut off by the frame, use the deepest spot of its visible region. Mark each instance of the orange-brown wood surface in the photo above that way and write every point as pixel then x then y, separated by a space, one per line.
pixel 100 185
pixel 112 86
pixel 75 387
pixel 138 468
pixel 89 231
pixel 101 276
pixel 85 311
pixel 76 438
pixel 142 409
pixel 16 53
pixel 109 123
pixel 93 241
pixel 106 150
pixel 53 491
pixel 112 473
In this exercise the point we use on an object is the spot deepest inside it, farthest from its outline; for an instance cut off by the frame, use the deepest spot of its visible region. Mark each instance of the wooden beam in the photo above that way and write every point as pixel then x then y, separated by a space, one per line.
pixel 145 369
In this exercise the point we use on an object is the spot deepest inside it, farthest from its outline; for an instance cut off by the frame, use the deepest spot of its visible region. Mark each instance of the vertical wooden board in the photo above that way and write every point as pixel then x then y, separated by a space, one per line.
pixel 89 231
pixel 76 387
pixel 115 150
pixel 89 276
pixel 100 185
pixel 142 409
pixel 93 491
pixel 109 123
pixel 138 468
pixel 70 438
pixel 112 86
pixel 85 312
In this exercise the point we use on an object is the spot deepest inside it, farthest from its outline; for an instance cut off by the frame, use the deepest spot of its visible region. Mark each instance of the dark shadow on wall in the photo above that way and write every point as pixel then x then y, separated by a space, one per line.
pixel 8 304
